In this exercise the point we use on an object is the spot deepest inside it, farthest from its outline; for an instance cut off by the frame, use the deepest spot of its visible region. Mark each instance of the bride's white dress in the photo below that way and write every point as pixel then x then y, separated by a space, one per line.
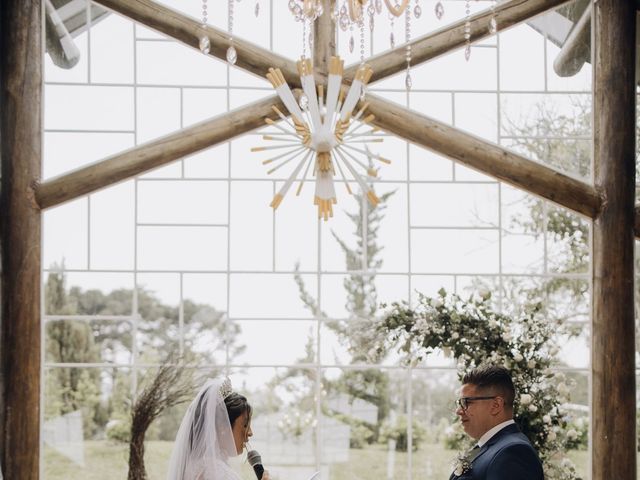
pixel 204 441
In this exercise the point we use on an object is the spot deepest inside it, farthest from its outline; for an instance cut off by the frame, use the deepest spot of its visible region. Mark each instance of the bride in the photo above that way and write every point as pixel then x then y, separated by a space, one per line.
pixel 217 426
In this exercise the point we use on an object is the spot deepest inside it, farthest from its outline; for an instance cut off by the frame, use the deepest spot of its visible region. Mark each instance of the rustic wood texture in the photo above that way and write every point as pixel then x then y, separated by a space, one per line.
pixel 324 45
pixel 156 153
pixel 484 156
pixel 187 30
pixel 21 46
pixel 449 38
pixel 613 342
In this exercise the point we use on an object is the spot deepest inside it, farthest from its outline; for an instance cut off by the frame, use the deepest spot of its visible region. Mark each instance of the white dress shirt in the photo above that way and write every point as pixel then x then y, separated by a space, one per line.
pixel 490 433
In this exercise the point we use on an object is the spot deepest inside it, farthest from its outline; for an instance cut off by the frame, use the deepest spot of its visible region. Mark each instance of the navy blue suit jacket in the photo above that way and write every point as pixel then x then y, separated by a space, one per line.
pixel 508 455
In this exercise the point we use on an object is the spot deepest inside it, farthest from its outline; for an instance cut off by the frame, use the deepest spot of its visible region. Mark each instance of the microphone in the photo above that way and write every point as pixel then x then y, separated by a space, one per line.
pixel 254 459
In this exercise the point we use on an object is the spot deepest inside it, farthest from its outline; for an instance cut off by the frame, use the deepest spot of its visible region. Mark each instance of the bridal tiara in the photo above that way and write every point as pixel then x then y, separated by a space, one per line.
pixel 225 388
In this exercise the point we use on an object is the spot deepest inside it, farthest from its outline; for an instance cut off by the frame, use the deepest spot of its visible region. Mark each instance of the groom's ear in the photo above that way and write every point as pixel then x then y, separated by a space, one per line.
pixel 497 405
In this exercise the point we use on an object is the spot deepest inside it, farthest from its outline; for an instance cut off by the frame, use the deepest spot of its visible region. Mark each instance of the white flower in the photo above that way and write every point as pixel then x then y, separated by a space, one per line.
pixel 572 434
pixel 455 335
pixel 459 470
pixel 484 293
pixel 525 399
pixel 546 419
pixel 531 364
pixel 437 302
pixel 518 357
pixel 493 323
pixel 506 336
pixel 552 436
pixel 533 408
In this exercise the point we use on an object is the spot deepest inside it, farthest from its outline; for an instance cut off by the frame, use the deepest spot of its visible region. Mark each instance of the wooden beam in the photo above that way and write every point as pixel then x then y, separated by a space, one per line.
pixel 613 319
pixel 21 47
pixel 484 156
pixel 449 38
pixel 324 40
pixel 187 30
pixel 576 49
pixel 636 224
pixel 156 153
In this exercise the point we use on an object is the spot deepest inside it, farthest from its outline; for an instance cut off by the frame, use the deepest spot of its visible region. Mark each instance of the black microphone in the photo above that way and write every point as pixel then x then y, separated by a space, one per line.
pixel 255 461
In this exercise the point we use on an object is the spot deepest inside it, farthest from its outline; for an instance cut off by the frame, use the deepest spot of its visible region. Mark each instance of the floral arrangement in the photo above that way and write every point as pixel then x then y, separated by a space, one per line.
pixel 473 333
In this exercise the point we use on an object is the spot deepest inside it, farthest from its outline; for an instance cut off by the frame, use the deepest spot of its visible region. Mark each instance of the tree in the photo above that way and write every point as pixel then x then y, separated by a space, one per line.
pixel 372 384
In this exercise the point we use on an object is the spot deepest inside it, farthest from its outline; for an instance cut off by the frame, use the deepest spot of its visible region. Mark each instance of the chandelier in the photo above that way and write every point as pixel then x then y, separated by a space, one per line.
pixel 324 132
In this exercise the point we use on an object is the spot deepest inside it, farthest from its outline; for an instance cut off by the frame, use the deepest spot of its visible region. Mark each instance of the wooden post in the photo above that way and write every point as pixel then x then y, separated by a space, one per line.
pixel 613 346
pixel 324 39
pixel 21 151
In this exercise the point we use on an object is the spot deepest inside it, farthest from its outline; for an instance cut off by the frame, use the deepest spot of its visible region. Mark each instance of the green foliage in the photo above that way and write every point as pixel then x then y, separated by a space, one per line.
pixel 370 385
pixel 474 334
pixel 397 431
pixel 119 430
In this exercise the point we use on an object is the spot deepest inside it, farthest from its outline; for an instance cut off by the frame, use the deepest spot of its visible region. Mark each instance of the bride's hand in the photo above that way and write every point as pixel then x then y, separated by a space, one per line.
pixel 265 475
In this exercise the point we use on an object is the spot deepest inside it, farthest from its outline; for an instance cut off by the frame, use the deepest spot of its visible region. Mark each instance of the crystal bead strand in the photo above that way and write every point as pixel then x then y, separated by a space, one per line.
pixel 363 92
pixel 493 24
pixel 392 38
pixel 256 10
pixel 232 55
pixel 467 31
pixel 304 101
pixel 204 43
pixel 407 35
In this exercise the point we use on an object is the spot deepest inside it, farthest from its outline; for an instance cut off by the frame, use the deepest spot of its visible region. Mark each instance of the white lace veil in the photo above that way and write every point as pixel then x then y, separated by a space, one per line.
pixel 205 440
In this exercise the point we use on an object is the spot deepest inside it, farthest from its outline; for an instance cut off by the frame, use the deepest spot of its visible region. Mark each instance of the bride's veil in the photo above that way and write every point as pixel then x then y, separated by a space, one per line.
pixel 204 441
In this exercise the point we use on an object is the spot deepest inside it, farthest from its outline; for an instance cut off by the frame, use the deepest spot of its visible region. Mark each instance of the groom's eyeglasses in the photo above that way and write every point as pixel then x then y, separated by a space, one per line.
pixel 463 402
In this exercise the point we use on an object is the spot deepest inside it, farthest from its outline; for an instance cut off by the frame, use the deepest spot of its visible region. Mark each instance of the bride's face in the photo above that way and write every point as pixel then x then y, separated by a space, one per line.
pixel 241 431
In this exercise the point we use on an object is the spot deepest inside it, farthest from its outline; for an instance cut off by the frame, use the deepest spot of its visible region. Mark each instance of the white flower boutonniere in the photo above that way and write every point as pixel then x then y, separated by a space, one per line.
pixel 462 465
pixel 464 461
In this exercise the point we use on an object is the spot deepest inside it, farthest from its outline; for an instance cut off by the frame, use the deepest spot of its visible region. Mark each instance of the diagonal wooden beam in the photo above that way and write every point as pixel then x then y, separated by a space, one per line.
pixel 449 38
pixel 156 153
pixel 185 29
pixel 485 157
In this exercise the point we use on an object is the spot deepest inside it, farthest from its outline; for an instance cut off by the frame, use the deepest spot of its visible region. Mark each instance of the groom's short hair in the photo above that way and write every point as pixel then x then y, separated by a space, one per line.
pixel 495 378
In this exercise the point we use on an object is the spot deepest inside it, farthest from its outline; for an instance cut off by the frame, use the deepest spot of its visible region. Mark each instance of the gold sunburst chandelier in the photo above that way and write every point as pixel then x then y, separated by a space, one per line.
pixel 324 132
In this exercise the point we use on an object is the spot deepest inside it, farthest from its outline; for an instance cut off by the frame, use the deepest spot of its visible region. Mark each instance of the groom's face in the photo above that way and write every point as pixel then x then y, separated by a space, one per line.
pixel 476 419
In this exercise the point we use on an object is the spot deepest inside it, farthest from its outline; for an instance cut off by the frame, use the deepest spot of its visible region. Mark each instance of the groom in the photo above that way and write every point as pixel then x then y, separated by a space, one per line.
pixel 485 408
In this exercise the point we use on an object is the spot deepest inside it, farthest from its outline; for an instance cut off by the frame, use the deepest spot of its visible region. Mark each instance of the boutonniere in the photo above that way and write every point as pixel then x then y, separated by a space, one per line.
pixel 463 462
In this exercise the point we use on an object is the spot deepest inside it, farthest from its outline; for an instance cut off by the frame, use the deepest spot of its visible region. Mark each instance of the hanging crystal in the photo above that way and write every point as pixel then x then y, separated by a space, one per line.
pixel 291 5
pixel 467 31
pixel 392 40
pixel 232 55
pixel 417 11
pixel 363 93
pixel 493 23
pixel 205 44
pixel 256 10
pixel 372 23
pixel 407 39
pixel 493 26
pixel 352 44
pixel 379 6
pixel 439 10
pixel 344 22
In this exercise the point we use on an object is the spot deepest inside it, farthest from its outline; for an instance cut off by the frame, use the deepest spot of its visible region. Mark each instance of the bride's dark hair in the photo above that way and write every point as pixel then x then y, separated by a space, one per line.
pixel 236 405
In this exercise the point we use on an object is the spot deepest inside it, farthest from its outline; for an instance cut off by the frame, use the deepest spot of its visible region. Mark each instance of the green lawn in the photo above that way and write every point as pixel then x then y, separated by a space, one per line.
pixel 108 461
